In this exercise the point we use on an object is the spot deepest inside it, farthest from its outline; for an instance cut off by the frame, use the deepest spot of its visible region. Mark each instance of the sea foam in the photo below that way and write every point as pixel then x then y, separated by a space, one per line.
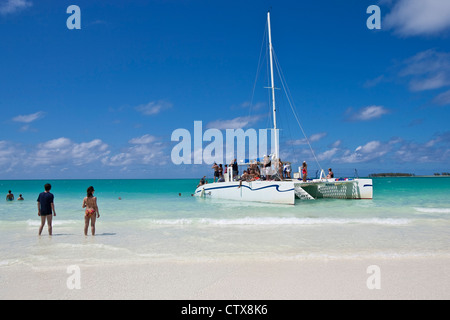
pixel 433 210
pixel 268 221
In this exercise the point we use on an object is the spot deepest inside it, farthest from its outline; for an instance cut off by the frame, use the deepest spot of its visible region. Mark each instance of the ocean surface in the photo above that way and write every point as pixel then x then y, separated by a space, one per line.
pixel 148 220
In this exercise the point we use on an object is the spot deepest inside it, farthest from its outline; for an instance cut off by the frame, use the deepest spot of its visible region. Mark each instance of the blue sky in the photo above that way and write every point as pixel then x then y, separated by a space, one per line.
pixel 103 101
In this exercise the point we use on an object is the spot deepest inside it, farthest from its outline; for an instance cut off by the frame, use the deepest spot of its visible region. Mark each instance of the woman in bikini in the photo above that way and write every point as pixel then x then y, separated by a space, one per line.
pixel 91 213
pixel 304 171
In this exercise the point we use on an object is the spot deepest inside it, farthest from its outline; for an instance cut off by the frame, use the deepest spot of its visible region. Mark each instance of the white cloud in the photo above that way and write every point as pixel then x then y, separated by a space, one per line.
pixel 87 152
pixel 121 159
pixel 327 155
pixel 145 139
pixel 64 151
pixel 313 138
pixel 374 82
pixel 436 149
pixel 10 155
pixel 418 17
pixel 254 106
pixel 396 150
pixel 426 62
pixel 12 6
pixel 366 113
pixel 236 123
pixel 336 144
pixel 144 150
pixel 368 152
pixel 427 70
pixel 56 144
pixel 443 98
pixel 436 81
pixel 28 118
pixel 153 107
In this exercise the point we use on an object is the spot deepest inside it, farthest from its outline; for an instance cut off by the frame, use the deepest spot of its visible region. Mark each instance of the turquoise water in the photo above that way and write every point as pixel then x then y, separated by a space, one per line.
pixel 152 221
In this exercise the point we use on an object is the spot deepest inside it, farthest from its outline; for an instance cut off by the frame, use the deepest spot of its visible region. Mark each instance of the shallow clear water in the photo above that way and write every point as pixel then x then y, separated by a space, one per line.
pixel 407 217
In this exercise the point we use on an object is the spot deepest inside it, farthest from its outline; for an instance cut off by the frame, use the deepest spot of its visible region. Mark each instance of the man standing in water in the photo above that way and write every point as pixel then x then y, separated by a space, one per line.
pixel 45 208
pixel 9 196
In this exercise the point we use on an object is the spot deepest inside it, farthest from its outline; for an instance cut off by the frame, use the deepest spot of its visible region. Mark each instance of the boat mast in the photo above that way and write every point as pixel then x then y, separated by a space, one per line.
pixel 273 88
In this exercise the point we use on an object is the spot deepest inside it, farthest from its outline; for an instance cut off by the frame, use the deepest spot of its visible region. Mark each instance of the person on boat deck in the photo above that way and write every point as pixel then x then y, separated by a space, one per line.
pixel 216 171
pixel 304 171
pixel 280 169
pixel 234 165
pixel 287 170
pixel 253 166
pixel 256 176
pixel 266 167
pixel 202 181
pixel 220 171
pixel 330 174
pixel 245 177
pixel 251 174
pixel 258 171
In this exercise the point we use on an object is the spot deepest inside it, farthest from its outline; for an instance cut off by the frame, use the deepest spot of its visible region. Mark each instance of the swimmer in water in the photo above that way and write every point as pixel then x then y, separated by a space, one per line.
pixel 9 196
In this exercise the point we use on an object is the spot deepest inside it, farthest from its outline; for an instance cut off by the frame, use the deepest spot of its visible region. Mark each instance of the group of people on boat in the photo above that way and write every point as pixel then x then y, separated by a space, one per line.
pixel 264 171
pixel 255 171
pixel 220 170
pixel 259 171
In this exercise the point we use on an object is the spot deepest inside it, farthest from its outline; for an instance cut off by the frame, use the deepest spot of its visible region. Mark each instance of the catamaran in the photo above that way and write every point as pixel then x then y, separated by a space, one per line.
pixel 276 189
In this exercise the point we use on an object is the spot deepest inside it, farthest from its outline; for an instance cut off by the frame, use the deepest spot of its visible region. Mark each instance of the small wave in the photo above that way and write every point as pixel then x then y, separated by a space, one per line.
pixel 98 246
pixel 366 255
pixel 8 262
pixel 268 221
pixel 433 210
pixel 34 223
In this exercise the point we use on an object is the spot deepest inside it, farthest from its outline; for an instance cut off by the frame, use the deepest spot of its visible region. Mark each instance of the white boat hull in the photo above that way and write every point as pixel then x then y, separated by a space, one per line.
pixel 282 192
pixel 285 192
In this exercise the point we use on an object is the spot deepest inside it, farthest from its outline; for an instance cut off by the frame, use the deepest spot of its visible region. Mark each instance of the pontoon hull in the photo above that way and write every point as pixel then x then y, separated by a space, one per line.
pixel 338 189
pixel 285 192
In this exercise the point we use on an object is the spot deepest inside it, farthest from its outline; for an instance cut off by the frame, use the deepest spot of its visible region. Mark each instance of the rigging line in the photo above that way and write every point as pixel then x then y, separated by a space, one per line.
pixel 288 94
pixel 258 69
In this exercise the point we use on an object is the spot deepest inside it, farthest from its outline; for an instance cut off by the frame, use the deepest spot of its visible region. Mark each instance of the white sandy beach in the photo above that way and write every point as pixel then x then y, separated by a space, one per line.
pixel 400 278
pixel 206 250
